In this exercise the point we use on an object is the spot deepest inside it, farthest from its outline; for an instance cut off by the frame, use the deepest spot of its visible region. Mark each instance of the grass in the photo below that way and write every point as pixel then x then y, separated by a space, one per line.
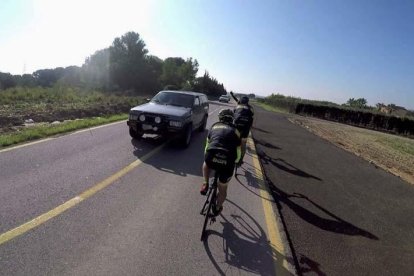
pixel 271 108
pixel 400 144
pixel 22 101
pixel 43 131
pixel 390 152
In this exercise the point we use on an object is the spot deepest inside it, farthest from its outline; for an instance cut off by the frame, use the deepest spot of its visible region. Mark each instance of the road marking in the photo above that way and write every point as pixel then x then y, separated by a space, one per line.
pixel 28 144
pixel 62 134
pixel 96 127
pixel 213 111
pixel 274 229
pixel 20 230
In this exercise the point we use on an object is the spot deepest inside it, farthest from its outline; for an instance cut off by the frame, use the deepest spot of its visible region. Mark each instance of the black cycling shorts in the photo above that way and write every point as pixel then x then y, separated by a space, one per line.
pixel 221 163
pixel 243 129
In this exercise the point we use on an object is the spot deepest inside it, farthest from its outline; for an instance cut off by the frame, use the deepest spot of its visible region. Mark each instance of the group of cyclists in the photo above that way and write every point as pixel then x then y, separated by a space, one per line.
pixel 226 146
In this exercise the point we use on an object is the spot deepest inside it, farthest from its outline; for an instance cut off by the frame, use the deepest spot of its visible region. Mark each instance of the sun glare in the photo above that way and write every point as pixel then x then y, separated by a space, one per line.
pixel 64 33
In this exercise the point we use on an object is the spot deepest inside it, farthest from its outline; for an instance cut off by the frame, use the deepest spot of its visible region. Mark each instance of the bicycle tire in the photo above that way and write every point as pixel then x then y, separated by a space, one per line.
pixel 211 200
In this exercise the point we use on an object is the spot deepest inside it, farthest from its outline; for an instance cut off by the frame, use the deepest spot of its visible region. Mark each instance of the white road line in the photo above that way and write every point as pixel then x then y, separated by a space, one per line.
pixel 63 134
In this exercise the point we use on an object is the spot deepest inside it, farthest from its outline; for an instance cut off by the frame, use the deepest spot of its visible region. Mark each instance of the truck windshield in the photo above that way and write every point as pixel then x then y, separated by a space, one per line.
pixel 177 99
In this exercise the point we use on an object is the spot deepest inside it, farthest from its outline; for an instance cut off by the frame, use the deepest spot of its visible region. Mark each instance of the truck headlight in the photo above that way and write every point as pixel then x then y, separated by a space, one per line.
pixel 157 120
pixel 142 117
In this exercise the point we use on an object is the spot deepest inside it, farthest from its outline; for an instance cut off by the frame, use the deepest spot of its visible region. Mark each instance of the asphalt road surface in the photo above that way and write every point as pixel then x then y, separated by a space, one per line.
pixel 343 215
pixel 97 202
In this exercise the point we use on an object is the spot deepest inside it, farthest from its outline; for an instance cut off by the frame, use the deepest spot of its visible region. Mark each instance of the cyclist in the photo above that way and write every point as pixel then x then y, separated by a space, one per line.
pixel 222 151
pixel 243 119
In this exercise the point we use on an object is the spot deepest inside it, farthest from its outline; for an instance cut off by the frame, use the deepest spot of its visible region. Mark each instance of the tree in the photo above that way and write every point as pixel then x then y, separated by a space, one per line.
pixel 96 69
pixel 72 75
pixel 179 72
pixel 357 103
pixel 209 86
pixel 48 77
pixel 127 61
pixel 6 80
pixel 152 74
pixel 27 80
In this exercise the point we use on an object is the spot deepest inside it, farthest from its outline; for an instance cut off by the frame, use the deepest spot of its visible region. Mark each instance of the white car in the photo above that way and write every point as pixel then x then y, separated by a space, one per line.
pixel 224 98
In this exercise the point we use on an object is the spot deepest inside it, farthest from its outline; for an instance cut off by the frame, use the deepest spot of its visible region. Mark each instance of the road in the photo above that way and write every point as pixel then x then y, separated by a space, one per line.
pixel 343 215
pixel 96 202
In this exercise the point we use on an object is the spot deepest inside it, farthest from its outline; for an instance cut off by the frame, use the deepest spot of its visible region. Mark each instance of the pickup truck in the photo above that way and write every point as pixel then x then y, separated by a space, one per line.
pixel 170 113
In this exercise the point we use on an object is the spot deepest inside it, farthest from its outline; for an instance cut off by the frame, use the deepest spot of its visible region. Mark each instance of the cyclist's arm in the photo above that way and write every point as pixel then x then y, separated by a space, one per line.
pixel 234 97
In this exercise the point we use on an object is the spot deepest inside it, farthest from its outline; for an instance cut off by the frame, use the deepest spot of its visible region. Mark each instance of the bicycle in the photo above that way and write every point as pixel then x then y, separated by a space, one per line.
pixel 236 166
pixel 210 203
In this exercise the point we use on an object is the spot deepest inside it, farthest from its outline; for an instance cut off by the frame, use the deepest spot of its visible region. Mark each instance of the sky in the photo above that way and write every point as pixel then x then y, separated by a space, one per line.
pixel 321 50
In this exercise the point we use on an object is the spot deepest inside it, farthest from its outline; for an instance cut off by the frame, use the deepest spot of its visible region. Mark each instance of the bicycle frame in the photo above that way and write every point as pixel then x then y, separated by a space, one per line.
pixel 209 204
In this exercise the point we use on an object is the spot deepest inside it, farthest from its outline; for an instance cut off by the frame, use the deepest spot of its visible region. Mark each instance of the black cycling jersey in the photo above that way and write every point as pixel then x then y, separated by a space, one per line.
pixel 243 115
pixel 224 137
pixel 245 111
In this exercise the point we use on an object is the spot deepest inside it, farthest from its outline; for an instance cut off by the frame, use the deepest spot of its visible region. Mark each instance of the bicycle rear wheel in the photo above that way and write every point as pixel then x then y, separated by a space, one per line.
pixel 211 203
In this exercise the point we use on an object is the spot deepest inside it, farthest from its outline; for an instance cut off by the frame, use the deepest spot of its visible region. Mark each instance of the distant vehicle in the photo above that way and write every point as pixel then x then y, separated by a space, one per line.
pixel 170 113
pixel 224 98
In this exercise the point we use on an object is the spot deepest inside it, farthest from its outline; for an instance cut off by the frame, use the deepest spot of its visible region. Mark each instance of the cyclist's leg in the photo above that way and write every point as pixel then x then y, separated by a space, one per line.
pixel 221 196
pixel 244 133
pixel 224 178
pixel 206 176
pixel 206 172
pixel 243 149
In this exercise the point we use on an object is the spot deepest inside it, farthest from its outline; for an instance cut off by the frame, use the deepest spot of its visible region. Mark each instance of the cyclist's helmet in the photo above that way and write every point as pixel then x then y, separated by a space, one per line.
pixel 226 116
pixel 244 100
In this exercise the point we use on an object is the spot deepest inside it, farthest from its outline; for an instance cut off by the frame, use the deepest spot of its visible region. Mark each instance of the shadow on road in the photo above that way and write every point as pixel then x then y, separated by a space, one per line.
pixel 245 246
pixel 144 145
pixel 308 265
pixel 266 144
pixel 284 165
pixel 174 158
pixel 251 180
pixel 259 129
pixel 336 225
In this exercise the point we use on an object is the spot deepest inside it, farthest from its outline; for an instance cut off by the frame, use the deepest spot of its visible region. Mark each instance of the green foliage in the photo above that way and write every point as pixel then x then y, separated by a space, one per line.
pixel 272 108
pixel 357 103
pixel 361 118
pixel 55 99
pixel 210 86
pixel 95 70
pixel 289 104
pixel 125 65
pixel 400 144
pixel 127 61
pixel 179 72
pixel 6 81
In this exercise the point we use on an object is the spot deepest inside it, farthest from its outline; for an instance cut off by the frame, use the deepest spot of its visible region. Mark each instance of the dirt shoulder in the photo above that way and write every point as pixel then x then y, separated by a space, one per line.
pixel 392 153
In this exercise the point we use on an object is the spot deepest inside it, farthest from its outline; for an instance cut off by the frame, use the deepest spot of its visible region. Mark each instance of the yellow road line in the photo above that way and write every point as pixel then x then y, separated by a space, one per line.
pixel 11 234
pixel 273 228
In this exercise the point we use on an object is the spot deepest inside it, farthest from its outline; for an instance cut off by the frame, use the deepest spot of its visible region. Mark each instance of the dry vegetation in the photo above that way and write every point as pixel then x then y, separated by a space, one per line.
pixel 390 152
pixel 58 104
